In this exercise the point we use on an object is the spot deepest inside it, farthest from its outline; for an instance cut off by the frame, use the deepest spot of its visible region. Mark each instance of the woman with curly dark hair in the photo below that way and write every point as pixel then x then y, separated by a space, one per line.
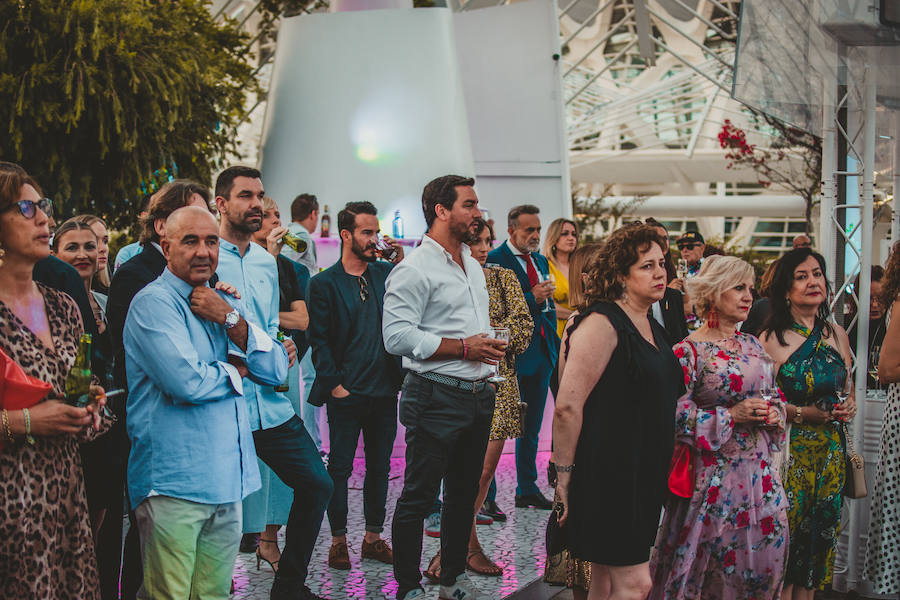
pixel 811 356
pixel 614 424
pixel 882 556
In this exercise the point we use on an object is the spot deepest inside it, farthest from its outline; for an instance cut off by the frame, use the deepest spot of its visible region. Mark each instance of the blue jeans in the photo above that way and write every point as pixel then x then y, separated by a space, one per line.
pixel 533 390
pixel 377 419
pixel 309 413
pixel 291 454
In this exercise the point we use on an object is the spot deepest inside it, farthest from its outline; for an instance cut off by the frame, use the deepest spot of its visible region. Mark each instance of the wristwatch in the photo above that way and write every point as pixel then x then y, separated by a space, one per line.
pixel 232 318
pixel 564 468
pixel 798 415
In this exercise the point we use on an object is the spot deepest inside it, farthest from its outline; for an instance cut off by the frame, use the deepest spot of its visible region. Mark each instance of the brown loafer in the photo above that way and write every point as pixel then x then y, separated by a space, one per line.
pixel 379 550
pixel 339 557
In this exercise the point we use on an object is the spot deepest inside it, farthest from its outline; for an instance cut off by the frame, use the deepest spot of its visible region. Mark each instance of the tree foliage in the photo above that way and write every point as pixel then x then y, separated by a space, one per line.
pixel 773 164
pixel 99 95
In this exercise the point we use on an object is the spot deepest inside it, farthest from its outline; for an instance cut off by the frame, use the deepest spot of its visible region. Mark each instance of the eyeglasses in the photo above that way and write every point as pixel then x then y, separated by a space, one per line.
pixel 28 208
pixel 363 288
pixel 688 246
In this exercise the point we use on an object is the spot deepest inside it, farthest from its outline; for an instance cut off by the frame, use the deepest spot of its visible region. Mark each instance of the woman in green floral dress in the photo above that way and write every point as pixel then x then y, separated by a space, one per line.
pixel 813 355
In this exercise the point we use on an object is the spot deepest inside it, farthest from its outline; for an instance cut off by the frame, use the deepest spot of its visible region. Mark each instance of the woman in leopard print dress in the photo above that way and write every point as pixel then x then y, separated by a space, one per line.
pixel 46 549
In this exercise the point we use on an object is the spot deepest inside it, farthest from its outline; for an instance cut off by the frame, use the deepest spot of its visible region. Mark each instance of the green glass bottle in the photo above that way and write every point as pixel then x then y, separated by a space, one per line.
pixel 287 382
pixel 78 381
pixel 298 244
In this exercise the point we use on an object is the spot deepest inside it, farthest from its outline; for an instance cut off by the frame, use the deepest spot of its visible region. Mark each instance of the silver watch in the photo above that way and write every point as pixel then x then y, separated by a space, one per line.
pixel 232 318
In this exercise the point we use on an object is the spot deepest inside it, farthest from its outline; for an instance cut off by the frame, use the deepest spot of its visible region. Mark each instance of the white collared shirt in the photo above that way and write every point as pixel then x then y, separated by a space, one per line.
pixel 519 255
pixel 429 297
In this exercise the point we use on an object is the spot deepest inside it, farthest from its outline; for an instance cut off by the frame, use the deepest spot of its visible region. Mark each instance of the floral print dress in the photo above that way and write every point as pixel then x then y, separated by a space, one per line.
pixel 730 539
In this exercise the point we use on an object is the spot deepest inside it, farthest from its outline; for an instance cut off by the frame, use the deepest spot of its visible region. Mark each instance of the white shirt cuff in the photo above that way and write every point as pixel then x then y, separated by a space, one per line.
pixel 261 340
pixel 236 382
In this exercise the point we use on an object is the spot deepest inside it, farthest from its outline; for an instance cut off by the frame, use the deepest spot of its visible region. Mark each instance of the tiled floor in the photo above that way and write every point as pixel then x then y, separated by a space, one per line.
pixel 517 546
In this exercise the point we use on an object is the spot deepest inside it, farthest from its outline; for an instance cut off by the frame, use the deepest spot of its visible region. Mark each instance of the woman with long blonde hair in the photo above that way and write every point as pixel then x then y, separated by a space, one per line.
pixel 559 244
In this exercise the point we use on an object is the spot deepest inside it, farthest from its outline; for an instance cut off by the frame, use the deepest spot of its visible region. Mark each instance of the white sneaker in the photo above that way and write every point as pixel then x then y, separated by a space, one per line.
pixel 433 525
pixel 416 594
pixel 463 589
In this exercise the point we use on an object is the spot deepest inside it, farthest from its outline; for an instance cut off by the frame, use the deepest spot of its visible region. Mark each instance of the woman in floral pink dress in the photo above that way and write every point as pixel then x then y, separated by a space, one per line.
pixel 730 538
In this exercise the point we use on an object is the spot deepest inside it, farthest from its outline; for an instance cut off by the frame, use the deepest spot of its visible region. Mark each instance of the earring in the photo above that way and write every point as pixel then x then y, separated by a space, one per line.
pixel 2 254
pixel 553 249
pixel 712 319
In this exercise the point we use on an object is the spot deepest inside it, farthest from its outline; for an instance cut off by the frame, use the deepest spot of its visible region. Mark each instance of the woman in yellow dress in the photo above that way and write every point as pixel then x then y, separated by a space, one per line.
pixel 560 243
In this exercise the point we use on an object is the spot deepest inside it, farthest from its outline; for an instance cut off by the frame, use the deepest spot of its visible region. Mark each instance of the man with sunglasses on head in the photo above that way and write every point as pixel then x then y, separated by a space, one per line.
pixel 356 378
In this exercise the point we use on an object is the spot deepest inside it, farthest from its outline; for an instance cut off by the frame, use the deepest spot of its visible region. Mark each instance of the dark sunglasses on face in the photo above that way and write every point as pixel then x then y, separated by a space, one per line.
pixel 28 208
pixel 687 246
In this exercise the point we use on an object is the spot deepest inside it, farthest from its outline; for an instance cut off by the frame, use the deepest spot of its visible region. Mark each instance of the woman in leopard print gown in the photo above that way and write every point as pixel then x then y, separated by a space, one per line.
pixel 46 549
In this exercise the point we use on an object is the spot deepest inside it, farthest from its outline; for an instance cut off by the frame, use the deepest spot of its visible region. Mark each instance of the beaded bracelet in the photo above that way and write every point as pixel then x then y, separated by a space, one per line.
pixel 6 427
pixel 28 437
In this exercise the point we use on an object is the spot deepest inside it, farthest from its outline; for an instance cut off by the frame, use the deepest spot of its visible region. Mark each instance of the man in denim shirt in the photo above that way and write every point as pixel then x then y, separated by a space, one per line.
pixel 281 440
pixel 192 459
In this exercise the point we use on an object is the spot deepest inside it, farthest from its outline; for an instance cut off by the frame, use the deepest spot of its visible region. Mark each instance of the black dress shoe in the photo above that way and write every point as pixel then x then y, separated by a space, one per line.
pixel 491 509
pixel 535 500
pixel 249 543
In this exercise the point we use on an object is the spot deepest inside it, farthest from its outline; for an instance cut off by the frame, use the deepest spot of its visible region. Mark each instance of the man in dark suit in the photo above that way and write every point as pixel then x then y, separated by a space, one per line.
pixel 534 366
pixel 62 276
pixel 127 281
pixel 355 376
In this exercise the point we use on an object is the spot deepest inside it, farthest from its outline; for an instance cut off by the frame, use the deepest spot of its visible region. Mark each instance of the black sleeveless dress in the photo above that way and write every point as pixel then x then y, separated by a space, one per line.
pixel 622 458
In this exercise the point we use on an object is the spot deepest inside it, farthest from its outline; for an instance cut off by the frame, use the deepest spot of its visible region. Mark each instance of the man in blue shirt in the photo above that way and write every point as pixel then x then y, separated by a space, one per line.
pixel 281 440
pixel 192 459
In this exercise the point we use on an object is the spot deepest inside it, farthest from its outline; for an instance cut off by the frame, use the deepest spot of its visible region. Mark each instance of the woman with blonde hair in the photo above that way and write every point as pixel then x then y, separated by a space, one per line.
pixel 559 244
pixel 98 226
pixel 728 539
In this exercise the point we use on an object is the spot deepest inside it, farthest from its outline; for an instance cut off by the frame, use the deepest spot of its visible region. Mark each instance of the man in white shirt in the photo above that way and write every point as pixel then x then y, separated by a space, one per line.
pixel 435 316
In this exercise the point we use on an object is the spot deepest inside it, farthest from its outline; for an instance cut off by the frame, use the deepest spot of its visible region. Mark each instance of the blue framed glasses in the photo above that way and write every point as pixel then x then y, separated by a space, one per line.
pixel 28 208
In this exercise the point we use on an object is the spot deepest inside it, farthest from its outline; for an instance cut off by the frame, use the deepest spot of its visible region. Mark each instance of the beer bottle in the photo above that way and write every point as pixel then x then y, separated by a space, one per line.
pixel 325 227
pixel 296 243
pixel 286 385
pixel 78 381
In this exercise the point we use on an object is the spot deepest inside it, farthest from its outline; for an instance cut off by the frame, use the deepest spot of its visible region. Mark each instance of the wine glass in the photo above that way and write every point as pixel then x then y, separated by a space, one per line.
pixel 548 278
pixel 843 392
pixel 682 269
pixel 502 334
pixel 874 356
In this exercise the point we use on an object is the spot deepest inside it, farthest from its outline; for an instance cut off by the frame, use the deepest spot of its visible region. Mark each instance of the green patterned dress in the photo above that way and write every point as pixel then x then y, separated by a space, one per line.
pixel 814 481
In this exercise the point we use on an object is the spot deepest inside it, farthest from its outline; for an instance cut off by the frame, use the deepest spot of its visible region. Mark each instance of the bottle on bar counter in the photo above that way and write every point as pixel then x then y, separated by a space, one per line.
pixel 297 244
pixel 78 381
pixel 325 227
pixel 286 385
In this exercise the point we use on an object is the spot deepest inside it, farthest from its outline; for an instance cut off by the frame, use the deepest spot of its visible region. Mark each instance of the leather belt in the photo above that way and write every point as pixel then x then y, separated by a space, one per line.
pixel 460 384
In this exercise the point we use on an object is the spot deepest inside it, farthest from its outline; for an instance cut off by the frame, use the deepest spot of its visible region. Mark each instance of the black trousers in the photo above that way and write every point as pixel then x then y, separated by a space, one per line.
pixel 447 432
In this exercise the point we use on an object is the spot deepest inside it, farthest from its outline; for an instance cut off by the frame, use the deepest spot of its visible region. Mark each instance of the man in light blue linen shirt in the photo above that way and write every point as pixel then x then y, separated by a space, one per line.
pixel 192 459
pixel 281 440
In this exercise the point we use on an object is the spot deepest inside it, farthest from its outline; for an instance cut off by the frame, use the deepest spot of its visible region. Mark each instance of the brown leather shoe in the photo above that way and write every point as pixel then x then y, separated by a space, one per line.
pixel 379 550
pixel 339 556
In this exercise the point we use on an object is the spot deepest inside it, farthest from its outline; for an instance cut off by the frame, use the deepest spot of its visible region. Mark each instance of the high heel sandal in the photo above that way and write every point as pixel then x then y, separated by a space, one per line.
pixel 260 558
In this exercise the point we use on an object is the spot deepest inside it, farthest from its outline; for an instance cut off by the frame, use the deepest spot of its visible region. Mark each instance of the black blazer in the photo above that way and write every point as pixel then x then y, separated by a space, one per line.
pixel 674 323
pixel 330 327
pixel 128 280
pixel 62 276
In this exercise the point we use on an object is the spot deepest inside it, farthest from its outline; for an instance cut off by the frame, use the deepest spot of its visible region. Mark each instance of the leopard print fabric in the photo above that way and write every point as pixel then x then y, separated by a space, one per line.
pixel 46 548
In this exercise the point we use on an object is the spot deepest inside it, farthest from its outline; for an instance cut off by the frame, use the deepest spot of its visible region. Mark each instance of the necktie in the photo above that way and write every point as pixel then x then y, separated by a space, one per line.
pixel 532 278
pixel 532 272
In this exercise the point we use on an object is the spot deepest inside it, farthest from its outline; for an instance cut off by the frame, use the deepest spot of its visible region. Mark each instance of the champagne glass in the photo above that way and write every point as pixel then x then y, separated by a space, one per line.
pixel 843 392
pixel 502 334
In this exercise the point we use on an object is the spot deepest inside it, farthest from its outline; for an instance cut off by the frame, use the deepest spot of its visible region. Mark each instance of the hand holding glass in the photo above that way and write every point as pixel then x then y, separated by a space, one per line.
pixel 548 280
pixel 384 249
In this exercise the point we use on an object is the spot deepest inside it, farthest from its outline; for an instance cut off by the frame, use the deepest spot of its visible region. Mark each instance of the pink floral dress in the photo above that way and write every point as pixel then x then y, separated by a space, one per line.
pixel 730 539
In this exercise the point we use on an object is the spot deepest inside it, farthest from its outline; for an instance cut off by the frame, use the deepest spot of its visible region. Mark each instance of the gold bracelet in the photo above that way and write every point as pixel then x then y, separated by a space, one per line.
pixel 6 427
pixel 28 437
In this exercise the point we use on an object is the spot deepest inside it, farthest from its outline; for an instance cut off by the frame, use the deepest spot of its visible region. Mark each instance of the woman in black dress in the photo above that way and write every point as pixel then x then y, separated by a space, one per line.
pixel 614 423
